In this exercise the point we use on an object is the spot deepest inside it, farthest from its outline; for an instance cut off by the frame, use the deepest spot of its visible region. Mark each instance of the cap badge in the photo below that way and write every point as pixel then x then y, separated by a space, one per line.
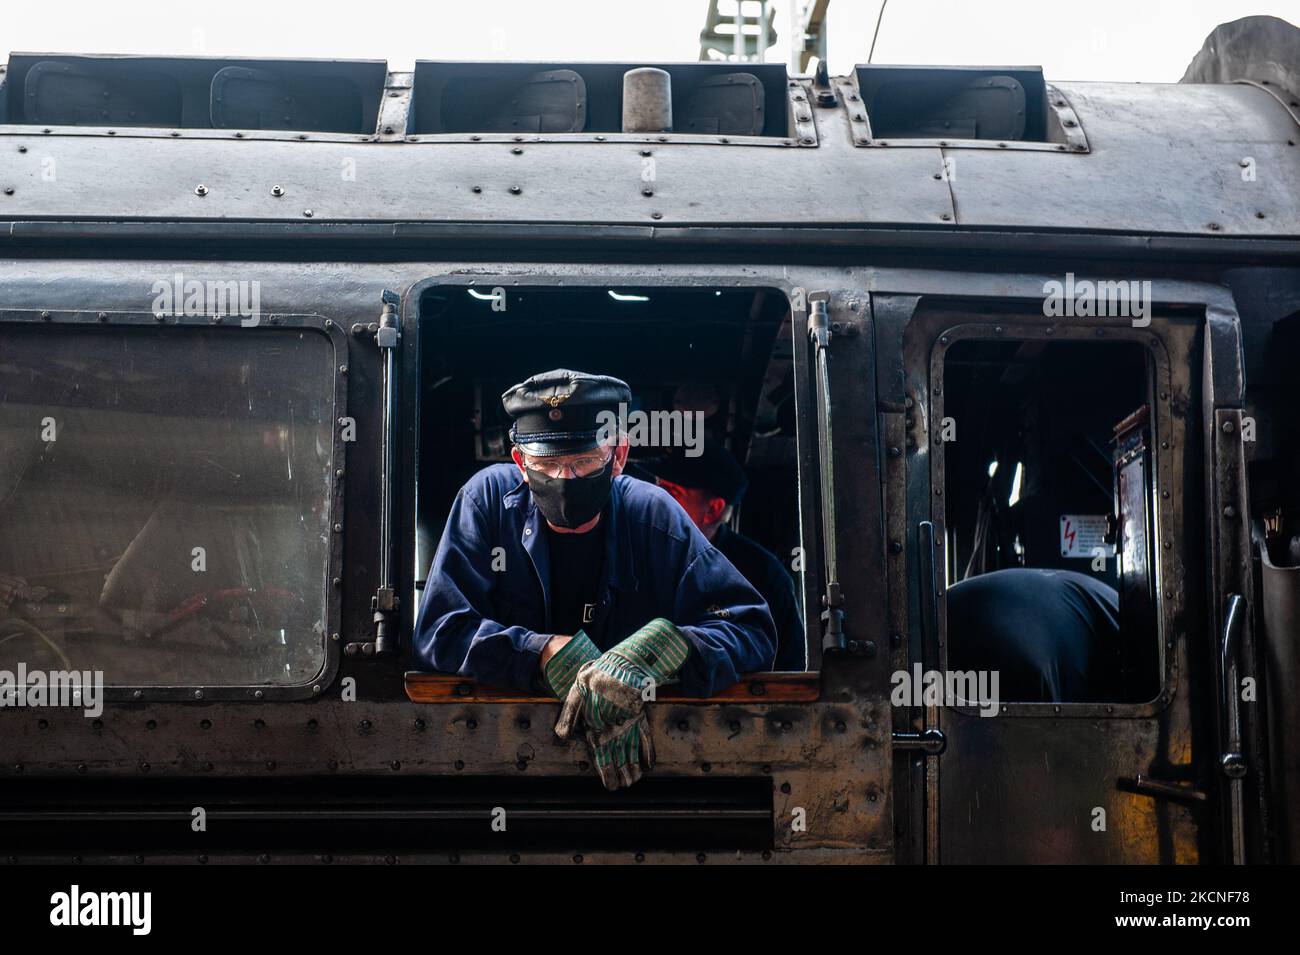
pixel 555 414
pixel 556 400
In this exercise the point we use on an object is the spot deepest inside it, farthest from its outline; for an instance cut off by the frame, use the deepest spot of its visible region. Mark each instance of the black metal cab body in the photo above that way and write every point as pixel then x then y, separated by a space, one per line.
pixel 865 266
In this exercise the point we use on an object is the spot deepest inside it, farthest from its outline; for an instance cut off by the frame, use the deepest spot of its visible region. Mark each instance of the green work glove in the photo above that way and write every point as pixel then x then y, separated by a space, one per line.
pixel 609 694
pixel 623 751
pixel 563 667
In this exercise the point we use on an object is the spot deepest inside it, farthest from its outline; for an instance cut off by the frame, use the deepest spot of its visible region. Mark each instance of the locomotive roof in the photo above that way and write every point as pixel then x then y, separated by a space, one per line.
pixel 1175 159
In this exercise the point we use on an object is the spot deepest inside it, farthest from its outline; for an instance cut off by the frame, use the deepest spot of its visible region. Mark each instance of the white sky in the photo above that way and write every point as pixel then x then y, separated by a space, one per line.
pixel 1146 40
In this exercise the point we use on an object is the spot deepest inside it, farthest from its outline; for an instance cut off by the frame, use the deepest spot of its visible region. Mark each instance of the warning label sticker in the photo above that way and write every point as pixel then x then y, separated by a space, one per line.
pixel 1083 534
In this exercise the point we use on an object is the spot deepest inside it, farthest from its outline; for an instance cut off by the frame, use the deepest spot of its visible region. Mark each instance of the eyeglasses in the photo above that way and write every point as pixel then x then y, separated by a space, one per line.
pixel 581 465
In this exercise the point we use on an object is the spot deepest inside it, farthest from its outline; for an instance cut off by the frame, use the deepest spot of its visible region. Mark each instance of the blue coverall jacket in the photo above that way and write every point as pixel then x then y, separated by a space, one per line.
pixel 492 624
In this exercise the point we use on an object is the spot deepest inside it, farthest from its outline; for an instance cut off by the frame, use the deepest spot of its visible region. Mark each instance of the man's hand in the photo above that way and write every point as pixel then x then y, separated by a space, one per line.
pixel 552 647
pixel 609 695
pixel 562 657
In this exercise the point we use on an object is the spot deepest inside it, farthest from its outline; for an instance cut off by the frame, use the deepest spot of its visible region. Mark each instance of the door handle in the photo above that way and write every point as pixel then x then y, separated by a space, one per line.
pixel 1233 761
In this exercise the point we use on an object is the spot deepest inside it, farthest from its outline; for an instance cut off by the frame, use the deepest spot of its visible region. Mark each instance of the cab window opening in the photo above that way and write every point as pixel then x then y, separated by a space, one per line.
pixel 711 378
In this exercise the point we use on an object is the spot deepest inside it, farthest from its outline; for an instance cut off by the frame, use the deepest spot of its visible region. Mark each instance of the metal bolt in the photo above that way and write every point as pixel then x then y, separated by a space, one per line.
pixel 277 191
pixel 308 213
pixel 515 190
pixel 200 190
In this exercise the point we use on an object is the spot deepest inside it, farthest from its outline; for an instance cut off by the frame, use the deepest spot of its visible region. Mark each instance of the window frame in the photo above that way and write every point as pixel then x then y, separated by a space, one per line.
pixel 52 319
pixel 1168 458
pixel 423 686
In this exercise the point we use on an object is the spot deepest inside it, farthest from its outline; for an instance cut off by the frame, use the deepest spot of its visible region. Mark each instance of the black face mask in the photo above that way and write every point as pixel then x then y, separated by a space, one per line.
pixel 570 502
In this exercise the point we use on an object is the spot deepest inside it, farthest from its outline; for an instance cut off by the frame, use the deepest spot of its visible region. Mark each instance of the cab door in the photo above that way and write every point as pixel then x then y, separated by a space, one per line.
pixel 1086 450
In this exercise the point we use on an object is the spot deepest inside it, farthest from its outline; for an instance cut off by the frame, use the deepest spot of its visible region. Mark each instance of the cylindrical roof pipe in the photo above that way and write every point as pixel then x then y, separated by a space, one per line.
pixel 647 101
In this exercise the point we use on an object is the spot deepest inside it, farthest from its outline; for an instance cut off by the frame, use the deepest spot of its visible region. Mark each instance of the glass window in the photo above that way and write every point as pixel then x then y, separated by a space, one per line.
pixel 164 503
pixel 1048 503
